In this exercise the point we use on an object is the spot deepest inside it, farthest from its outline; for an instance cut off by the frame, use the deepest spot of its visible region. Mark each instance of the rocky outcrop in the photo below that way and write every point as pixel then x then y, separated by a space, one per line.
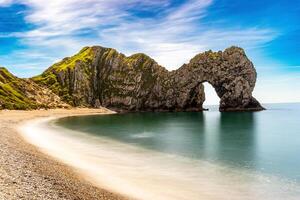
pixel 23 94
pixel 98 76
pixel 231 73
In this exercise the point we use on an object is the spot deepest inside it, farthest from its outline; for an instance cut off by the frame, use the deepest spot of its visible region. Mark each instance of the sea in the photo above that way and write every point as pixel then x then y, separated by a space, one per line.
pixel 181 155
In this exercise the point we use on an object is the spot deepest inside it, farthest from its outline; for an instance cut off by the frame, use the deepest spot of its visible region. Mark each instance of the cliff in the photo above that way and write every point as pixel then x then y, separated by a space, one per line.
pixel 23 94
pixel 99 76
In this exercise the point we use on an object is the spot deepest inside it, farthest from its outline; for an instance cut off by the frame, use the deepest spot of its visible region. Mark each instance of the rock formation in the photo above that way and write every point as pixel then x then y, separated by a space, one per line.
pixel 23 94
pixel 231 73
pixel 98 76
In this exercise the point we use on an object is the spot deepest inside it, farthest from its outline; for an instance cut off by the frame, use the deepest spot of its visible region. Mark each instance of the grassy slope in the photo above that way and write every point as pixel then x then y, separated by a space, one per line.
pixel 13 92
pixel 49 78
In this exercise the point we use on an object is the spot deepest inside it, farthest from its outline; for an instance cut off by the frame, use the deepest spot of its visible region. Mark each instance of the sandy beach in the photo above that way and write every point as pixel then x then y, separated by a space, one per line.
pixel 26 173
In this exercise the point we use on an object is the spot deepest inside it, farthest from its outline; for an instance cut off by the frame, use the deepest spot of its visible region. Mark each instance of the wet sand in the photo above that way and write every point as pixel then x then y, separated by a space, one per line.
pixel 26 173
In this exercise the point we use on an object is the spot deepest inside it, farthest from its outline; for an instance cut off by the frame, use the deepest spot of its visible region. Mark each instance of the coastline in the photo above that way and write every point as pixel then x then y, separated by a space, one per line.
pixel 72 168
pixel 27 173
pixel 143 173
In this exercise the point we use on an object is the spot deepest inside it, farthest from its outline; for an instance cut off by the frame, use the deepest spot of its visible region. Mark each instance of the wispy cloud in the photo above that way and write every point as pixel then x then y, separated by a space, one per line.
pixel 5 2
pixel 172 35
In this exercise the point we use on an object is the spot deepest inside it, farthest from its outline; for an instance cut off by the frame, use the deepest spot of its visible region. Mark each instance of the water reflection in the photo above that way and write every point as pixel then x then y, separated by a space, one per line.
pixel 228 137
pixel 175 133
pixel 265 141
pixel 237 144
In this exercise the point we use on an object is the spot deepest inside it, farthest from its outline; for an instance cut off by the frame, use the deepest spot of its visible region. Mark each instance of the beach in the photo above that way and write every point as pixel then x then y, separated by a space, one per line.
pixel 47 154
pixel 27 173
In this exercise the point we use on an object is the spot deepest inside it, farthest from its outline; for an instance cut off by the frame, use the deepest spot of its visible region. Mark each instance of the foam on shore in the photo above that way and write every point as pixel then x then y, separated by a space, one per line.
pixel 146 174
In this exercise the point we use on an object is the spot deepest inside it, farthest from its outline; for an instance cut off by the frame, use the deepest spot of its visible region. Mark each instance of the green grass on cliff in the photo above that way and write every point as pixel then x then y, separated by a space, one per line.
pixel 143 59
pixel 60 76
pixel 85 55
pixel 11 94
pixel 5 75
pixel 50 80
pixel 61 87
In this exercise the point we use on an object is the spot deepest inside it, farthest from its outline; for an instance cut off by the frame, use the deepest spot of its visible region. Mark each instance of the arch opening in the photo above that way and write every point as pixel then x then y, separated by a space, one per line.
pixel 211 97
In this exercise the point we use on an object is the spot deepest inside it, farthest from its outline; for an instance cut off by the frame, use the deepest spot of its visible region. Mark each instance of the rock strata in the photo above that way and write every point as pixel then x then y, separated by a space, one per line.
pixel 99 76
pixel 231 73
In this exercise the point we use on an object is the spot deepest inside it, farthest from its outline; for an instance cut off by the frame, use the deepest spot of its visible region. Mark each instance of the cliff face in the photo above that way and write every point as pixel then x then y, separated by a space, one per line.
pixel 23 94
pixel 98 76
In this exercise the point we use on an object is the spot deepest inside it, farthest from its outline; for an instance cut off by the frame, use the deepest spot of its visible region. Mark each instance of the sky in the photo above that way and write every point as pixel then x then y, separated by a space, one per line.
pixel 34 34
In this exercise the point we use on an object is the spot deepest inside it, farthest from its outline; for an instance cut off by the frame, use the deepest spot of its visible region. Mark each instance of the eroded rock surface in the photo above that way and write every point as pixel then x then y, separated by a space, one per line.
pixel 231 73
pixel 98 76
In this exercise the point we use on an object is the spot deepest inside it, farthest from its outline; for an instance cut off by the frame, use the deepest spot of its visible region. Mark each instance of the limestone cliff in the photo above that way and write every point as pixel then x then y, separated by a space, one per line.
pixel 231 73
pixel 99 76
pixel 23 94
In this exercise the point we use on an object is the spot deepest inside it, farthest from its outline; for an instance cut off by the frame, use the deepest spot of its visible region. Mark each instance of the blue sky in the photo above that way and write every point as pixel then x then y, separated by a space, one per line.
pixel 35 34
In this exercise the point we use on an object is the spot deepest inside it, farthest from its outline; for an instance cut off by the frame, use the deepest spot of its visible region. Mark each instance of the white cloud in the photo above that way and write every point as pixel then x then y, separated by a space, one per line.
pixel 190 10
pixel 5 2
pixel 172 38
pixel 174 42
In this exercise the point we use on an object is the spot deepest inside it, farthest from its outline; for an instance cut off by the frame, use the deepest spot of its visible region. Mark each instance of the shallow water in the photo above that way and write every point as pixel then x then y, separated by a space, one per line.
pixel 266 141
pixel 207 155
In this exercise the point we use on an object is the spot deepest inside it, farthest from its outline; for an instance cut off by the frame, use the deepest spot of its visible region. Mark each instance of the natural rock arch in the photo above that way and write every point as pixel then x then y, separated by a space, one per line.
pixel 231 73
pixel 99 76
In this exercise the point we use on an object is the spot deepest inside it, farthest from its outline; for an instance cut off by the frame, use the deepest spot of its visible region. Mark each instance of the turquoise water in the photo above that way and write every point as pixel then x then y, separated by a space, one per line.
pixel 267 142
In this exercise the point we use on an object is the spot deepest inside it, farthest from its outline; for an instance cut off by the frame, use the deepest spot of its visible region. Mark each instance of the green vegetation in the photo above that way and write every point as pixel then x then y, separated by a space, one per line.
pixel 5 75
pixel 72 76
pixel 213 55
pixel 12 94
pixel 85 55
pixel 58 76
pixel 207 56
pixel 143 60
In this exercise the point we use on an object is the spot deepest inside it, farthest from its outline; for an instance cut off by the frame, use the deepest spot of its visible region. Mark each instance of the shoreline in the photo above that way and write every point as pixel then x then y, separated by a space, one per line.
pixel 75 169
pixel 109 173
pixel 27 173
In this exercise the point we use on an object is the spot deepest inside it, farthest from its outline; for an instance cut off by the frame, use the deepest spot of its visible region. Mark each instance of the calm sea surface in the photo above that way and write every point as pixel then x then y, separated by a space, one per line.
pixel 266 142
